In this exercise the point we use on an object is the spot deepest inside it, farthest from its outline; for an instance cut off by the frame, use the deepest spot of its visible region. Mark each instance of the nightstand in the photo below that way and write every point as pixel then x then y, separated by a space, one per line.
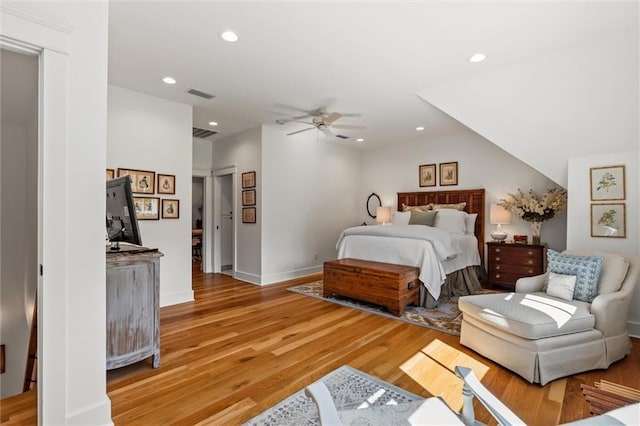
pixel 507 262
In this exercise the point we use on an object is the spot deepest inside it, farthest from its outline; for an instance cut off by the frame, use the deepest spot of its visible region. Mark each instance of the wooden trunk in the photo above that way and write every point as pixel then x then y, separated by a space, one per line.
pixel 392 286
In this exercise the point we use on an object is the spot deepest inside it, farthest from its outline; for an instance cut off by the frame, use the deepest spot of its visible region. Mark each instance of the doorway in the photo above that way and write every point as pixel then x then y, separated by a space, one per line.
pixel 19 212
pixel 197 221
pixel 226 225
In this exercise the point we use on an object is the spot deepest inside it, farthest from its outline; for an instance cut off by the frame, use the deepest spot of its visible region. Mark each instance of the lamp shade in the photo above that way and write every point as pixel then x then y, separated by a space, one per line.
pixel 383 215
pixel 498 215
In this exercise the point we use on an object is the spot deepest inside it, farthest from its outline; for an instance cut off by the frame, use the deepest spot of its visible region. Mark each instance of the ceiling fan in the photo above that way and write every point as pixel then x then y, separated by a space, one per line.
pixel 322 120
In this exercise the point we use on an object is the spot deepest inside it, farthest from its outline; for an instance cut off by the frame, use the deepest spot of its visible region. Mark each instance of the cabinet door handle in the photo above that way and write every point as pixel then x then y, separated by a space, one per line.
pixel 498 259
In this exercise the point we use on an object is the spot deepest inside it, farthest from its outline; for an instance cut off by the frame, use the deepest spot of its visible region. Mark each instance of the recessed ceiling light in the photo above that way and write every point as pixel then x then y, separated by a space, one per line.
pixel 229 36
pixel 478 57
pixel 359 140
pixel 169 80
pixel 213 123
pixel 420 128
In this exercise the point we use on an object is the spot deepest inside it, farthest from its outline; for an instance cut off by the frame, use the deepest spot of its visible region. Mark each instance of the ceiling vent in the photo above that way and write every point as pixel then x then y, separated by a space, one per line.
pixel 199 93
pixel 342 136
pixel 203 133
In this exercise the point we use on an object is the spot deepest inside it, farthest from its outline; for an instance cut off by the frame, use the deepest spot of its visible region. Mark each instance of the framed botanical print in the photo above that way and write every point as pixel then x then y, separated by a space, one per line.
pixel 607 183
pixel 146 208
pixel 249 215
pixel 249 197
pixel 248 180
pixel 110 174
pixel 449 173
pixel 166 184
pixel 427 173
pixel 608 220
pixel 170 209
pixel 142 181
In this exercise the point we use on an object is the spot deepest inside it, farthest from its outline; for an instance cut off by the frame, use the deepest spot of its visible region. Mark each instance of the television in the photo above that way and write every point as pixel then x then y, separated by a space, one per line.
pixel 122 224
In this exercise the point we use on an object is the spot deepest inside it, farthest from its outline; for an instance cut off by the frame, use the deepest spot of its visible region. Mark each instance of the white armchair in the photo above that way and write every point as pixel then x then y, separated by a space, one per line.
pixel 542 337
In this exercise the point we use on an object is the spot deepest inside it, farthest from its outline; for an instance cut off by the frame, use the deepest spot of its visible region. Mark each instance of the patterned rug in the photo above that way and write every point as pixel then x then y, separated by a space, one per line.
pixel 446 317
pixel 350 389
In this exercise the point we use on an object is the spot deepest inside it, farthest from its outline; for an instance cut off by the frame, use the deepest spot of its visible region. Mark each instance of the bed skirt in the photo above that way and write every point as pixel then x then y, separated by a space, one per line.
pixel 458 283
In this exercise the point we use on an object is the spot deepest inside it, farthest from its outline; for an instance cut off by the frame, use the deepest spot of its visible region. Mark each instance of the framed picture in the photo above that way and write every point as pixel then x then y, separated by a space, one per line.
pixel 449 173
pixel 110 174
pixel 427 174
pixel 607 183
pixel 249 197
pixel 248 215
pixel 147 208
pixel 170 209
pixel 608 220
pixel 142 181
pixel 166 184
pixel 248 180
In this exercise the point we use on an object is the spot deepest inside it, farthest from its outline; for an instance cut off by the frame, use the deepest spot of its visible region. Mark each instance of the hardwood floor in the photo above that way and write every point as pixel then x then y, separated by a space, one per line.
pixel 240 348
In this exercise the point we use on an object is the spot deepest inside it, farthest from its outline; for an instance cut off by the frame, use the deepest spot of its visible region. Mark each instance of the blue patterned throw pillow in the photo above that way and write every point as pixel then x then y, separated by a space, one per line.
pixel 585 268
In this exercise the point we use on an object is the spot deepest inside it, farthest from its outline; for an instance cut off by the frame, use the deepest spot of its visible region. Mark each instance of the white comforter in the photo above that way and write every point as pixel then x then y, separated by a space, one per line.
pixel 434 251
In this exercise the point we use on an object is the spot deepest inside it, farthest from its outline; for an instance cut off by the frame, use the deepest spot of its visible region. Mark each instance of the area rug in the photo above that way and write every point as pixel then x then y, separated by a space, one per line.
pixel 350 389
pixel 446 317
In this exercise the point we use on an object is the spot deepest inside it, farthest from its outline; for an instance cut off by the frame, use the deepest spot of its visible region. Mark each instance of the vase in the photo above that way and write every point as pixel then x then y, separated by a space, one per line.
pixel 536 229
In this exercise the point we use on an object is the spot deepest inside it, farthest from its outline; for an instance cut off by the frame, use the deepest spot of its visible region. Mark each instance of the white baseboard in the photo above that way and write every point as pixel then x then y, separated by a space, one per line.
pixel 634 329
pixel 244 276
pixel 289 275
pixel 168 299
pixel 97 414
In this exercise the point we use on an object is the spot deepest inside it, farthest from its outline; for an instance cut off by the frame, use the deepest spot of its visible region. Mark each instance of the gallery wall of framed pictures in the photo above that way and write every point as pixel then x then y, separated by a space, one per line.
pixel 249 197
pixel 145 184
pixel 608 193
pixel 448 174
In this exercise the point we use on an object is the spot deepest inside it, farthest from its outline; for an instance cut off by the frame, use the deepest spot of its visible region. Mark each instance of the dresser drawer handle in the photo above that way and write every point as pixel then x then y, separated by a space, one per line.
pixel 497 275
pixel 530 262
pixel 497 250
pixel 530 253
pixel 531 271
pixel 497 267
pixel 498 259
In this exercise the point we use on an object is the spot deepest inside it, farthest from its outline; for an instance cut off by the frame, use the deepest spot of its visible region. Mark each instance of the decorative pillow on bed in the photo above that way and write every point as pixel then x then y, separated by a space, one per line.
pixel 423 218
pixel 457 206
pixel 470 223
pixel 401 218
pixel 424 208
pixel 561 286
pixel 585 268
pixel 451 220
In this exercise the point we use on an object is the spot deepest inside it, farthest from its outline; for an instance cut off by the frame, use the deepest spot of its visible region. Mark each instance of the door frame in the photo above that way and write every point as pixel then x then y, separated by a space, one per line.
pixel 207 219
pixel 217 216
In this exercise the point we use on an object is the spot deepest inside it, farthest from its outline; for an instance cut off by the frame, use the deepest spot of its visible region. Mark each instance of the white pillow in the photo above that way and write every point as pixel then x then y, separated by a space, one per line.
pixel 401 218
pixel 451 220
pixel 470 222
pixel 561 286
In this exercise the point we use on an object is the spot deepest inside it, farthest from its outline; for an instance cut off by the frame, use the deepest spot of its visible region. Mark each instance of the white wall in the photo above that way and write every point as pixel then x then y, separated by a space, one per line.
pixel 579 229
pixel 308 198
pixel 578 101
pixel 149 133
pixel 202 154
pixel 481 164
pixel 243 151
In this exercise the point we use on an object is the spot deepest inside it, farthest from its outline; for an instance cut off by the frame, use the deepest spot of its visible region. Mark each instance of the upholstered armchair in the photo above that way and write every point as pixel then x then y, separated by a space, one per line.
pixel 542 332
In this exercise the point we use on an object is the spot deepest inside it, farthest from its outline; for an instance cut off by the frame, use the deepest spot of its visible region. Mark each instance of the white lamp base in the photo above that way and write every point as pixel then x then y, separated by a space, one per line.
pixel 499 236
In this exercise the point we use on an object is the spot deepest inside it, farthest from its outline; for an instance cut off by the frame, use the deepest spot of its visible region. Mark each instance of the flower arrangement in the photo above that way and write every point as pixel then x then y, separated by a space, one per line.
pixel 530 208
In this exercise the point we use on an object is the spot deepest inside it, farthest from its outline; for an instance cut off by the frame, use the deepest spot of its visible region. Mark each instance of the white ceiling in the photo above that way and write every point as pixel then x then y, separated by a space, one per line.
pixel 356 57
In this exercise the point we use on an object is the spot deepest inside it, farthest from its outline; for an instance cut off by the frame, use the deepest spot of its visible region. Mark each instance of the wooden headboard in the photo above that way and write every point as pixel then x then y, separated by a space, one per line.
pixel 473 197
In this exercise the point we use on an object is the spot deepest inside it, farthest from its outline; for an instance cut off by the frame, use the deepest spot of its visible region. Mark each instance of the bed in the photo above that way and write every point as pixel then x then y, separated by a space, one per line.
pixel 449 265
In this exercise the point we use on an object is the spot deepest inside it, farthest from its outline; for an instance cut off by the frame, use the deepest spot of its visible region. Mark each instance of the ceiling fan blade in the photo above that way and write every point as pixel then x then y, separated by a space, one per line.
pixel 331 117
pixel 327 133
pixel 300 131
pixel 351 114
pixel 348 126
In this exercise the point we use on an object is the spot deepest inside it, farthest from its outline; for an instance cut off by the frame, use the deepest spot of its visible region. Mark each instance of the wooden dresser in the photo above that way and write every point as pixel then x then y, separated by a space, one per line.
pixel 506 262
pixel 133 307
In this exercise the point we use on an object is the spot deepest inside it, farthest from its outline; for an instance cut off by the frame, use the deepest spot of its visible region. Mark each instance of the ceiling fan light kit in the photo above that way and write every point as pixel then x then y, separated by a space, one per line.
pixel 322 120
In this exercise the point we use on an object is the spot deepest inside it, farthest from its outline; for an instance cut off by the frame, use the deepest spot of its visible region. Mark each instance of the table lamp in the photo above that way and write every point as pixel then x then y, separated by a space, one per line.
pixel 499 216
pixel 383 215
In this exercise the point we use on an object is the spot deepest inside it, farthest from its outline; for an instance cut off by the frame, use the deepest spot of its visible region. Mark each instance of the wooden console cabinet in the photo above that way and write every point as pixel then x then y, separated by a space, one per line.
pixel 133 307
pixel 506 262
